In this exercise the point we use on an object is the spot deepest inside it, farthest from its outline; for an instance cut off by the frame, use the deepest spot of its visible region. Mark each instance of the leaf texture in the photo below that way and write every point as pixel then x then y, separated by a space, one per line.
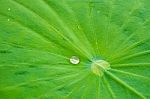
pixel 38 37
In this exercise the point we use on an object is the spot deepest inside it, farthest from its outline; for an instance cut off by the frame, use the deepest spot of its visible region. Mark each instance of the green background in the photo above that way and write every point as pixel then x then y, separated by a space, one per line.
pixel 38 37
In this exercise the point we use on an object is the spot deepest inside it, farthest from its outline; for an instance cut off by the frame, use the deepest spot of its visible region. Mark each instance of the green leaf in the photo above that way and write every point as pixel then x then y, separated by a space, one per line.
pixel 109 38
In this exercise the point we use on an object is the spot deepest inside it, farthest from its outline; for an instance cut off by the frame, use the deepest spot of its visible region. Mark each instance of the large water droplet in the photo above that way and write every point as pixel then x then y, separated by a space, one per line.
pixel 74 60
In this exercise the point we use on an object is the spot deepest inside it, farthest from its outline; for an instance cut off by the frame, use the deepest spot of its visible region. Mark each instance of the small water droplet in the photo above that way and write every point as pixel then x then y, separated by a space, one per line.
pixel 74 60
pixel 9 9
pixel 8 19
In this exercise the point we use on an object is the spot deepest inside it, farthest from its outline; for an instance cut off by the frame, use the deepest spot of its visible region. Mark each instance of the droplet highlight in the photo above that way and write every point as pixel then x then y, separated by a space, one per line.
pixel 74 60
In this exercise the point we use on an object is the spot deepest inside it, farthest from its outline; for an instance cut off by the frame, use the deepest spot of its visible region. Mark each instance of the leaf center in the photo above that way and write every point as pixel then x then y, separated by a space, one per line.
pixel 98 67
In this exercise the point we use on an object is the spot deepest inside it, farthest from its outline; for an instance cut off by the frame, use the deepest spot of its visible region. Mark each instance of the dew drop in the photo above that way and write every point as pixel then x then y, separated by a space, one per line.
pixel 74 60
pixel 8 19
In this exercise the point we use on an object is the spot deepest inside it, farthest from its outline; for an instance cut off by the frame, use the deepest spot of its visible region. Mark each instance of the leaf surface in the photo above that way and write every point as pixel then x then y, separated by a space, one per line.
pixel 38 38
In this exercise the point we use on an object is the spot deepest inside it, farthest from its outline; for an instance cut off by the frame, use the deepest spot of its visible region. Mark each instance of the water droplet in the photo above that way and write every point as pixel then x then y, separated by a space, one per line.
pixel 9 9
pixel 74 60
pixel 8 19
